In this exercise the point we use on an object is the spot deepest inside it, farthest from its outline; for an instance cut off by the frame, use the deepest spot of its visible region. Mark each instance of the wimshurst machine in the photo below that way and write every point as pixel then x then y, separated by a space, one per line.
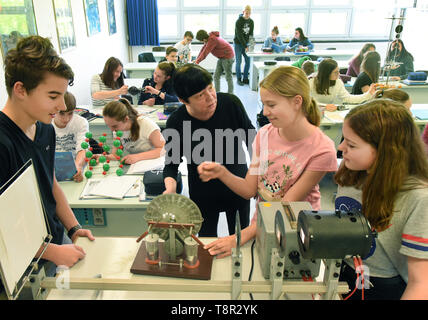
pixel 291 241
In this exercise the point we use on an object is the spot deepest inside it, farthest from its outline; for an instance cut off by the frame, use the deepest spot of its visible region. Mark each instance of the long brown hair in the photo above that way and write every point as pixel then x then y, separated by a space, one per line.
pixel 288 81
pixel 392 93
pixel 400 164
pixel 322 80
pixel 371 65
pixel 121 109
pixel 110 66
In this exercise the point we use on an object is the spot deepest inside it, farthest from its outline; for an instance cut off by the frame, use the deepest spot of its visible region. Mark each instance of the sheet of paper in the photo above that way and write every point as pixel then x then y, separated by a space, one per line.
pixel 114 186
pixel 146 165
pixel 22 226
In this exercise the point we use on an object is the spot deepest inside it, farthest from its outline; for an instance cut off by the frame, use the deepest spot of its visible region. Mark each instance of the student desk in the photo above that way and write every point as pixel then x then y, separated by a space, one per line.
pixel 140 69
pixel 112 258
pixel 418 93
pixel 260 70
pixel 338 55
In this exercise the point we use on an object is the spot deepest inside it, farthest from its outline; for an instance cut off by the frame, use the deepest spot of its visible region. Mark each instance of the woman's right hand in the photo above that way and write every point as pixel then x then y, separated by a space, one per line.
pixel 123 90
pixel 221 247
pixel 149 102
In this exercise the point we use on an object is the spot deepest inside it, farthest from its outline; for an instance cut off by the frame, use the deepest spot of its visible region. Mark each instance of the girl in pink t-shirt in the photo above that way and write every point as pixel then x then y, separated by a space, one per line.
pixel 290 155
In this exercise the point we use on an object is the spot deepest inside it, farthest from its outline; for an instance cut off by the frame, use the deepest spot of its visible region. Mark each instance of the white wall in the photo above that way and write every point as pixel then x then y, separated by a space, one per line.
pixel 90 53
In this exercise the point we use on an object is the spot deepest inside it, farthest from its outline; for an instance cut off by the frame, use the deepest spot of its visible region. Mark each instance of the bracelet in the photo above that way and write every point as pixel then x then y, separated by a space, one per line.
pixel 73 230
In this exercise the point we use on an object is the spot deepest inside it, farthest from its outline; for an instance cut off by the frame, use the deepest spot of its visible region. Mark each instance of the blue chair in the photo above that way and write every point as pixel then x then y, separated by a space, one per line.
pixel 146 57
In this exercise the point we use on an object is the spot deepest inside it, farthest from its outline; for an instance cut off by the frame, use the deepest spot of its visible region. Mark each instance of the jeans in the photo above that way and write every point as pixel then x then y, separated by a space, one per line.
pixel 239 52
pixel 383 288
pixel 226 66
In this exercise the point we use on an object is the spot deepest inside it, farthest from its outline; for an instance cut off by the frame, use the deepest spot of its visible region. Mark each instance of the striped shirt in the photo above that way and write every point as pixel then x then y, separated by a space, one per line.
pixel 98 85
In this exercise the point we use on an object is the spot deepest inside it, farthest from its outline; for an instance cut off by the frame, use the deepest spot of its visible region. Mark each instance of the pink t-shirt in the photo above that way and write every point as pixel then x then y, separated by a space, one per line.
pixel 282 163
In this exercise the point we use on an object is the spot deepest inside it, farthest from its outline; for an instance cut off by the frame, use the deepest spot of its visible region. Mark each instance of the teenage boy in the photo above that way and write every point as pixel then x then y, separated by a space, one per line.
pixel 244 28
pixel 220 49
pixel 207 113
pixel 36 80
pixel 184 48
pixel 70 130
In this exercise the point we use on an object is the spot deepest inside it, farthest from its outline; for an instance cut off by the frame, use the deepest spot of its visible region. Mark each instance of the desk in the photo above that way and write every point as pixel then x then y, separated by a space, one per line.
pixel 339 55
pixel 140 69
pixel 260 70
pixel 418 93
pixel 113 257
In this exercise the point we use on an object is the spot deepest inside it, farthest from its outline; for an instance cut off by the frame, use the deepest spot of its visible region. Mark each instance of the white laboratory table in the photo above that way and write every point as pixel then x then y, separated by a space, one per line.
pixel 111 259
pixel 140 69
pixel 338 55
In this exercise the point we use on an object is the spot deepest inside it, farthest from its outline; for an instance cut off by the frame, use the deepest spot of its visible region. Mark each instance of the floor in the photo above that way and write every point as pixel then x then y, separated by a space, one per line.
pixel 250 100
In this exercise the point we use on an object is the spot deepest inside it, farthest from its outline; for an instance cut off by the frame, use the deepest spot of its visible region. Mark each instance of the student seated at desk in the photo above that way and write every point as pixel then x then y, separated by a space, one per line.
pixel 36 79
pixel 171 55
pixel 328 88
pixel 403 61
pixel 274 41
pixel 108 85
pixel 355 63
pixel 290 155
pixel 159 89
pixel 70 130
pixel 299 41
pixel 370 71
pixel 396 95
pixel 385 175
pixel 184 48
pixel 141 138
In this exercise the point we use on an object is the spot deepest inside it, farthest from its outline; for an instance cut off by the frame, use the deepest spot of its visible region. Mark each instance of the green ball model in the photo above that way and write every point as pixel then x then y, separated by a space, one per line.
pixel 119 152
pixel 103 139
pixel 106 148
pixel 88 135
pixel 106 167
pixel 88 174
pixel 89 154
pixel 119 172
pixel 84 145
pixel 93 162
pixel 116 143
pixel 102 159
pixel 119 133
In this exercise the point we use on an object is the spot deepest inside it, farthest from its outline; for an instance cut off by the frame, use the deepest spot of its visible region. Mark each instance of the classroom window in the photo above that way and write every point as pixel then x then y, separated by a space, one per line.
pixel 329 23
pixel 168 25
pixel 287 22
pixel 197 3
pixel 167 3
pixel 330 3
pixel 379 24
pixel 206 21
pixel 242 4
pixel 289 3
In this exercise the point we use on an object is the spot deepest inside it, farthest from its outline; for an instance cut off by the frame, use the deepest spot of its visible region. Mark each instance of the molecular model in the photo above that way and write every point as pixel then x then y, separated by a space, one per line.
pixel 102 159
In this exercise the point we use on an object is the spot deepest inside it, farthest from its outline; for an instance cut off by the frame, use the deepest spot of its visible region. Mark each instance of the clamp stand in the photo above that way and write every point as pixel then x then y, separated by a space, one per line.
pixel 237 263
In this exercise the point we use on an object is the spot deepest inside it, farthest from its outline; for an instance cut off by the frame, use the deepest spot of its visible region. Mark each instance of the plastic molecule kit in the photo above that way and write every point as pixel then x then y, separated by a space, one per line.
pixel 92 162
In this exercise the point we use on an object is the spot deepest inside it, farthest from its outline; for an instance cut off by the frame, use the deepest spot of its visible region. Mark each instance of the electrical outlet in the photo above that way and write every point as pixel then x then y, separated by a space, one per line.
pixel 98 215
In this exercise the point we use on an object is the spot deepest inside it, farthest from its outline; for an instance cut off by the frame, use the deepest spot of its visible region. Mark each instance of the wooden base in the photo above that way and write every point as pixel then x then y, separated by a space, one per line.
pixel 202 272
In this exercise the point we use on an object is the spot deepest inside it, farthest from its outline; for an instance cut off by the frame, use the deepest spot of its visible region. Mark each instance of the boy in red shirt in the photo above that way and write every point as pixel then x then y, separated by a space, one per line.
pixel 222 50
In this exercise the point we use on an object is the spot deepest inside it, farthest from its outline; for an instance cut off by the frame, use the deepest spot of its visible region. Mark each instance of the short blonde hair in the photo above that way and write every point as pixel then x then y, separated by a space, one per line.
pixel 247 8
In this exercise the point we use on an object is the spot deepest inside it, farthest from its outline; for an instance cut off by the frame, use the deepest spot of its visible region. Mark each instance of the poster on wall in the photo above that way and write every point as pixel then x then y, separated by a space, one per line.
pixel 64 24
pixel 111 17
pixel 92 14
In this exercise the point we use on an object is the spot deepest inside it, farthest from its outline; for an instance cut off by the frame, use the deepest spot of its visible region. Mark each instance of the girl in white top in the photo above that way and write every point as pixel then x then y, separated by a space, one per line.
pixel 328 88
pixel 141 137
pixel 70 132
pixel 109 85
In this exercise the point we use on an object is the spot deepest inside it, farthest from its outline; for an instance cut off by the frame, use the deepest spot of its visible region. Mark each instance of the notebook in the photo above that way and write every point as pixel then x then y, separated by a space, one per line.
pixel 421 114
pixel 65 168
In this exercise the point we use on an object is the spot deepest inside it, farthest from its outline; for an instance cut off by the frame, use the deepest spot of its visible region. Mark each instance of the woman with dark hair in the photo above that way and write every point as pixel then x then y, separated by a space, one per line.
pixel 108 85
pixel 400 60
pixel 159 89
pixel 300 41
pixel 369 74
pixel 328 88
pixel 355 63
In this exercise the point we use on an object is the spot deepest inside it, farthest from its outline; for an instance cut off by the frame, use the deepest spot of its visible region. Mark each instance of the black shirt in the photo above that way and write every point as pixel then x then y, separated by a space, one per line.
pixel 229 114
pixel 363 79
pixel 16 149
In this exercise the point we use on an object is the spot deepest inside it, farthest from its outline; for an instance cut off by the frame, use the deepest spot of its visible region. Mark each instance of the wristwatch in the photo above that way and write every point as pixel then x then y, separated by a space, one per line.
pixel 73 230
pixel 158 95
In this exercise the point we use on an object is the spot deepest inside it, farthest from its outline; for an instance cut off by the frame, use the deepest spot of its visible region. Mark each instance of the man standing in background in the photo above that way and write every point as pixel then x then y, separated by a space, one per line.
pixel 244 28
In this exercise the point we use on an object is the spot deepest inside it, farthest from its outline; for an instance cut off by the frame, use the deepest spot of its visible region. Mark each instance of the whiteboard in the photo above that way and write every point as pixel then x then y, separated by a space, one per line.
pixel 22 225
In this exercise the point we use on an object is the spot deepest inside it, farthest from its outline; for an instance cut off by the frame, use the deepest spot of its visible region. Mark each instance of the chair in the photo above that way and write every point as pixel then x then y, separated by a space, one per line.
pixel 158 49
pixel 146 57
pixel 330 48
pixel 343 70
pixel 313 57
pixel 282 59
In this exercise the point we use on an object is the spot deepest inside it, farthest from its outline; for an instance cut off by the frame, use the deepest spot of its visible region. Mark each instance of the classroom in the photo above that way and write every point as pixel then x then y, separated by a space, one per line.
pixel 243 150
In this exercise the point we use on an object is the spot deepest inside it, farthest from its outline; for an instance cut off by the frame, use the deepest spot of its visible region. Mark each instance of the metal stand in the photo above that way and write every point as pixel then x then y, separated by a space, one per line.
pixel 331 278
pixel 276 274
pixel 236 274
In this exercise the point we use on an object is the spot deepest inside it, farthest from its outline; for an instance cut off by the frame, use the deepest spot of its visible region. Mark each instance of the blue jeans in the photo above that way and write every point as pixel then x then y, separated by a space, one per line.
pixel 239 52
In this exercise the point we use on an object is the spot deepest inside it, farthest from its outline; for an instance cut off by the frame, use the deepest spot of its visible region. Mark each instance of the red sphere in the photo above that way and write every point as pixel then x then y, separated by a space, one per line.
pixel 121 166
pixel 91 149
pixel 90 168
pixel 100 144
pixel 108 161
pixel 105 134
pixel 121 147
pixel 87 159
pixel 104 172
pixel 87 140
pixel 104 153
pixel 117 157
